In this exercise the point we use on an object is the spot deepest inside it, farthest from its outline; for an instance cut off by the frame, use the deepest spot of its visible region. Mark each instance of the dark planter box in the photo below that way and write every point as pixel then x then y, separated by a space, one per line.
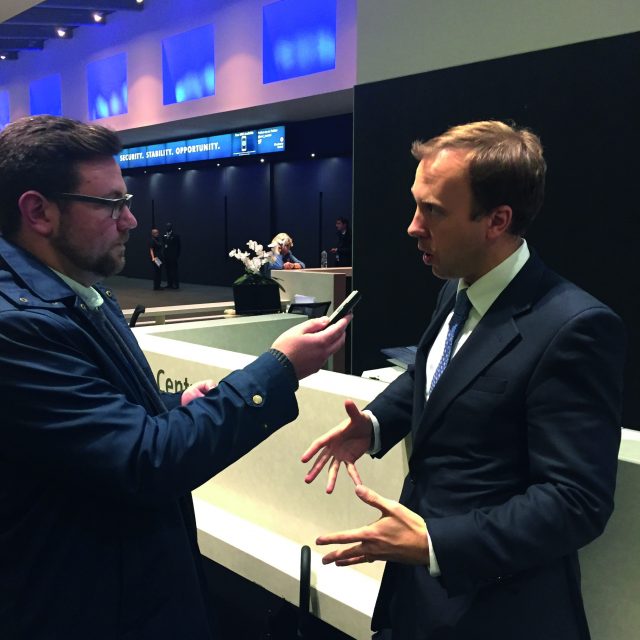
pixel 256 298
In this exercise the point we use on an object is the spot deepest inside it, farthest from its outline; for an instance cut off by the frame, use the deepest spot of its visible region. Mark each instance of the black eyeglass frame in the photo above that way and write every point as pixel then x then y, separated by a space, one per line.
pixel 116 204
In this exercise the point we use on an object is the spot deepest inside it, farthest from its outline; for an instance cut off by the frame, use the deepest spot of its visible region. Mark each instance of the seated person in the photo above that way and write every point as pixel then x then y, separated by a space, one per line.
pixel 281 246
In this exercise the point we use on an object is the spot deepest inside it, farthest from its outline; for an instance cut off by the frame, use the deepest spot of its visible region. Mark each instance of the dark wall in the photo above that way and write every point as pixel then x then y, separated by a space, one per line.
pixel 218 208
pixel 583 101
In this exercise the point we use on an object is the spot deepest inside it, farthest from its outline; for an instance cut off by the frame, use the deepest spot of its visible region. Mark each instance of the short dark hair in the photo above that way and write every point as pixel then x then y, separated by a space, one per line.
pixel 343 220
pixel 42 153
pixel 506 167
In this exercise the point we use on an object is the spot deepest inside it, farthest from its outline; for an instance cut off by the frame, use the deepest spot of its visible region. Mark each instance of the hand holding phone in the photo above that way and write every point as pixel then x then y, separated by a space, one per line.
pixel 345 308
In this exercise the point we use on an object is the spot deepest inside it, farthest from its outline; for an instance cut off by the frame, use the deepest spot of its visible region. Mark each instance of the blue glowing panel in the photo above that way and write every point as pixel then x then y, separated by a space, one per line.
pixel 46 96
pixel 188 70
pixel 271 140
pixel 298 38
pixel 227 145
pixel 107 82
pixel 4 109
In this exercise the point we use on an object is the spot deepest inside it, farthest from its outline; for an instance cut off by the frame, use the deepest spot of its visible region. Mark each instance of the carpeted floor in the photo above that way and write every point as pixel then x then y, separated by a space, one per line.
pixel 133 291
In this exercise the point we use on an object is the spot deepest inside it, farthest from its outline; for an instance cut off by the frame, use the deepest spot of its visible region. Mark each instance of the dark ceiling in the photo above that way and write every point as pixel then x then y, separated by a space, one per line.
pixel 57 19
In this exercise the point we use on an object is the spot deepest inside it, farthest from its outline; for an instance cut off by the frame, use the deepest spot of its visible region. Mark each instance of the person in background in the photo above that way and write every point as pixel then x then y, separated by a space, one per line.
pixel 156 251
pixel 98 532
pixel 281 246
pixel 171 251
pixel 514 410
pixel 342 250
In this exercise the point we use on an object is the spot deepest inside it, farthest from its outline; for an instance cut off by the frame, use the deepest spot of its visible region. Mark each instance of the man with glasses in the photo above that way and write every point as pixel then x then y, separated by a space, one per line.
pixel 97 531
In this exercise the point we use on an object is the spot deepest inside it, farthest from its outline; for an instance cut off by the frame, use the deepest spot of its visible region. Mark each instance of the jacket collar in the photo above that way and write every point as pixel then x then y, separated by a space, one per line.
pixel 495 332
pixel 31 275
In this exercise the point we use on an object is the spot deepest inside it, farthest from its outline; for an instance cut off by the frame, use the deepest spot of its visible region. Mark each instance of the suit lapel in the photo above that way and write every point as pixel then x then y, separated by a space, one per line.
pixel 494 334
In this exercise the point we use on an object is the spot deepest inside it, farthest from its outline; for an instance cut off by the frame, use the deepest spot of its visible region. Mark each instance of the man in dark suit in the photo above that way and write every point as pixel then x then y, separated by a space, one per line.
pixel 171 246
pixel 514 411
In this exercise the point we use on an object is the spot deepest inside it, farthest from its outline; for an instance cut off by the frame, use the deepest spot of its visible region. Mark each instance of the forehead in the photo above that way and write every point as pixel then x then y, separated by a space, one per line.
pixel 102 174
pixel 443 172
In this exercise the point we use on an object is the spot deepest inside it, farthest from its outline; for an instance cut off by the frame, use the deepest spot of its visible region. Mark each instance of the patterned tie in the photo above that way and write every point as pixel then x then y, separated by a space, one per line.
pixel 459 317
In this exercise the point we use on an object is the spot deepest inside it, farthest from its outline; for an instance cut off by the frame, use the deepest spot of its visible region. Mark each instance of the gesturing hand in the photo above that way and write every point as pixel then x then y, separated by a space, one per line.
pixel 343 444
pixel 399 535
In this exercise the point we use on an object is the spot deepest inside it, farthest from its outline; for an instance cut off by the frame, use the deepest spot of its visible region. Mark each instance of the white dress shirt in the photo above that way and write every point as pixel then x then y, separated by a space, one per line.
pixel 482 294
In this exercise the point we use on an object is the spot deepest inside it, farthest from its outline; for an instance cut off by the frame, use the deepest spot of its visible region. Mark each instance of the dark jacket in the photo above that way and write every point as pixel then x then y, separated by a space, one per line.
pixel 97 532
pixel 513 465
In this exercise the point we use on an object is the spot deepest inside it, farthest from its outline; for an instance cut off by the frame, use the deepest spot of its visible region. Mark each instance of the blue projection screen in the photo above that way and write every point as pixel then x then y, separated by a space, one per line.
pixel 298 38
pixel 4 109
pixel 46 96
pixel 188 69
pixel 107 83
pixel 227 145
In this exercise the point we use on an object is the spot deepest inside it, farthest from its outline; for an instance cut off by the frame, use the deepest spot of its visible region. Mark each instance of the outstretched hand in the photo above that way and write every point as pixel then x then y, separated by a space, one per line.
pixel 342 444
pixel 399 535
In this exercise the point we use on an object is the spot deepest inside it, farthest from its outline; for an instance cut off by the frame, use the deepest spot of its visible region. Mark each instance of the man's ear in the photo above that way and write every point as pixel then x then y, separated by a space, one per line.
pixel 38 213
pixel 499 221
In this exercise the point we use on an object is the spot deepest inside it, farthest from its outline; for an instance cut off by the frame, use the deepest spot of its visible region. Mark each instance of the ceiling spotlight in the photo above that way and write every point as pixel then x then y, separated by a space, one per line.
pixel 62 33
pixel 313 155
pixel 139 1
pixel 98 17
pixel 261 159
pixel 3 56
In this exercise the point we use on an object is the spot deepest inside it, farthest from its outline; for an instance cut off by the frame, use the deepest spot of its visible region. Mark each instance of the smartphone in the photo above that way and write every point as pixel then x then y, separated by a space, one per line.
pixel 345 308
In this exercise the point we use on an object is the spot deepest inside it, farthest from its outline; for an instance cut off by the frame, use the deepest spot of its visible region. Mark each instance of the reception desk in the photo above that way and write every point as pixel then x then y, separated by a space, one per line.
pixel 254 516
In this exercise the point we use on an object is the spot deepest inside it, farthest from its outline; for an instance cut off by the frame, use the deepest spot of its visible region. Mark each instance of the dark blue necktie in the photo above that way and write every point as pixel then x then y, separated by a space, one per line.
pixel 459 317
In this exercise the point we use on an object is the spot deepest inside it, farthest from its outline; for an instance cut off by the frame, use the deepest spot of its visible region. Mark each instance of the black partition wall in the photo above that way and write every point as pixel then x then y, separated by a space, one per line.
pixel 584 102
pixel 218 207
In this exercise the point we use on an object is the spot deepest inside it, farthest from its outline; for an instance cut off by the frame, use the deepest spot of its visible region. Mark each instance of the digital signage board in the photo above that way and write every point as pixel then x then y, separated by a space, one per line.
pixel 227 145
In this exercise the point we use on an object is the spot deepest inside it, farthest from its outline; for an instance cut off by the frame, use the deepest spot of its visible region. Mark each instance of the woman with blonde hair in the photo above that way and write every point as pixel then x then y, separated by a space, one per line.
pixel 281 246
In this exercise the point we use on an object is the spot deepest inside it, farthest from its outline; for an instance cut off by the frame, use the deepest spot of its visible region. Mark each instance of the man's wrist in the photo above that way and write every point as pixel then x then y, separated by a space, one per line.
pixel 286 363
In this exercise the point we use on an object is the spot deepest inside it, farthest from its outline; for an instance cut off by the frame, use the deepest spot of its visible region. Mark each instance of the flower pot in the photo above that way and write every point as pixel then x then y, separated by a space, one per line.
pixel 256 298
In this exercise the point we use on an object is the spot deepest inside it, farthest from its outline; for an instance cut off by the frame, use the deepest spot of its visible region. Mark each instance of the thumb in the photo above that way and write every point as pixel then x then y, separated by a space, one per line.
pixel 352 410
pixel 370 497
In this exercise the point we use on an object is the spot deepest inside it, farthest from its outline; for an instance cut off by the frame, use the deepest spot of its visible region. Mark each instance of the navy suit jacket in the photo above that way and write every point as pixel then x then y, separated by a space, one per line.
pixel 97 530
pixel 513 464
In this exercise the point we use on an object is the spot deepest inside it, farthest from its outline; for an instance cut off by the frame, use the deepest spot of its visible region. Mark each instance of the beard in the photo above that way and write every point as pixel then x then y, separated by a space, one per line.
pixel 104 265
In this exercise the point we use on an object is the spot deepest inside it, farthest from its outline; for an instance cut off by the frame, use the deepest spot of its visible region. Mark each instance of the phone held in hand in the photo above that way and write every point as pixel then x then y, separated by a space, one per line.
pixel 345 308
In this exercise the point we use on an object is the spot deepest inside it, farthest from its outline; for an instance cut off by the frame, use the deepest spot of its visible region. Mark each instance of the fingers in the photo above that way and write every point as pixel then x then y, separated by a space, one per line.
pixel 318 465
pixel 346 557
pixel 373 499
pixel 342 537
pixel 353 473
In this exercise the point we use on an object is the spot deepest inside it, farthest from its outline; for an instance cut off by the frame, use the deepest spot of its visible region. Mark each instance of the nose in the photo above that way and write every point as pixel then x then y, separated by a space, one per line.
pixel 417 228
pixel 127 220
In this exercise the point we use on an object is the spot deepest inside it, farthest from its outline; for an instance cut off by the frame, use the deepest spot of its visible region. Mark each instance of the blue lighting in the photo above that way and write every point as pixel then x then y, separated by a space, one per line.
pixel 298 38
pixel 188 68
pixel 226 145
pixel 107 82
pixel 46 96
pixel 4 109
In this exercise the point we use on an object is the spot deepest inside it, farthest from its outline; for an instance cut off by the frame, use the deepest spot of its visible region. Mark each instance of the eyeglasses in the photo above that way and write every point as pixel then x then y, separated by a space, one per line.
pixel 115 204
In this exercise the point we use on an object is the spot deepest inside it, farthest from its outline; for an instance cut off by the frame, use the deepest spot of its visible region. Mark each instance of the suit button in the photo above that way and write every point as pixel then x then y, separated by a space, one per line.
pixel 257 399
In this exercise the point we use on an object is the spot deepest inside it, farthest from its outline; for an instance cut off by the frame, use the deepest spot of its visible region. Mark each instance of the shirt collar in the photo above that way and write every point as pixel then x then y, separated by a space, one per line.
pixel 484 291
pixel 88 294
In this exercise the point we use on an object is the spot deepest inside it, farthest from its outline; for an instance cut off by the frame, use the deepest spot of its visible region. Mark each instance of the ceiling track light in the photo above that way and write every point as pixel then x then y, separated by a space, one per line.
pixel 62 32
pixel 98 17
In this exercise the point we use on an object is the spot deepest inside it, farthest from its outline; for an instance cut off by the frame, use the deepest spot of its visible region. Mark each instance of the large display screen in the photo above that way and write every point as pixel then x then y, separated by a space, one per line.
pixel 46 96
pixel 107 84
pixel 188 69
pixel 298 38
pixel 227 145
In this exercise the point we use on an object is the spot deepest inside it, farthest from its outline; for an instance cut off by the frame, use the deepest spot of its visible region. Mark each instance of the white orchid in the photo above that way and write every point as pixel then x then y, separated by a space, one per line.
pixel 253 263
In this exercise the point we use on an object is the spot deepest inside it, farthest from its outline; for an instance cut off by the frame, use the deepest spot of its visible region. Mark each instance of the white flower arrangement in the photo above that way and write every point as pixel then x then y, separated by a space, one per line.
pixel 253 264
